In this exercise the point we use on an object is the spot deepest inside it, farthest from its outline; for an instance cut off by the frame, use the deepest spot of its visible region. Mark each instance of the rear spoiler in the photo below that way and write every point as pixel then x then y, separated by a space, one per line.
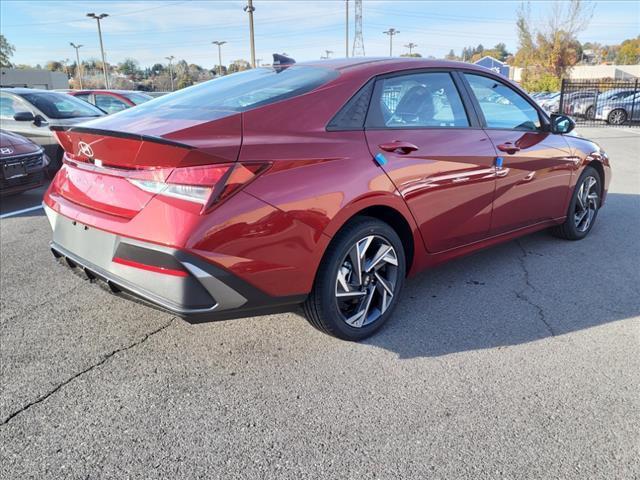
pixel 114 133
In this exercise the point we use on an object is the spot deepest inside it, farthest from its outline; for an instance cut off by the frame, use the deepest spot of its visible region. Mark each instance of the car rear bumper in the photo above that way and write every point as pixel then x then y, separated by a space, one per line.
pixel 193 288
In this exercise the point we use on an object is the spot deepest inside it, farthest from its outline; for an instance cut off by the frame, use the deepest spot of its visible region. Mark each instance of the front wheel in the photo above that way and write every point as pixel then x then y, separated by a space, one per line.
pixel 583 208
pixel 359 280
pixel 617 117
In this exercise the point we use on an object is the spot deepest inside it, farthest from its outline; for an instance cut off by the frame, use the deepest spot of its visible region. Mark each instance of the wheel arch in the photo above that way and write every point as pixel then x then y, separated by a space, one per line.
pixel 394 212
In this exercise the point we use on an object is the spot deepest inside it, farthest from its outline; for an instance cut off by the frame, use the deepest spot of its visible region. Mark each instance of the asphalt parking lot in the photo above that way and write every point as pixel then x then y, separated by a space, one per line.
pixel 518 362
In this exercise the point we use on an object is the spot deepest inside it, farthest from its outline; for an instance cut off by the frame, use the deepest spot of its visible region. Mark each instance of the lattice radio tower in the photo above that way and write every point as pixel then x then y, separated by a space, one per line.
pixel 358 42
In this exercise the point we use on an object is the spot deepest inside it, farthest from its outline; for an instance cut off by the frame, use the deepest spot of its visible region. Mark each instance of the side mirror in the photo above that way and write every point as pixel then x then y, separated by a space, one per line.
pixel 24 117
pixel 562 124
pixel 40 121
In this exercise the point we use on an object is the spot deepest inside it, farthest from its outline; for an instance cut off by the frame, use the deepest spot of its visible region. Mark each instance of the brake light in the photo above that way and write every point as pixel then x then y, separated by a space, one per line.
pixel 206 184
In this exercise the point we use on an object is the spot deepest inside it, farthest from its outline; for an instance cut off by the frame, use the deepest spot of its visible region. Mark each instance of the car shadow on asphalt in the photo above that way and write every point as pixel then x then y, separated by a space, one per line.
pixel 523 291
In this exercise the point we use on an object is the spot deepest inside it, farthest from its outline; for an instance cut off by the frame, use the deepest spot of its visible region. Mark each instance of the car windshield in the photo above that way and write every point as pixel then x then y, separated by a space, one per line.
pixel 237 92
pixel 59 105
pixel 138 98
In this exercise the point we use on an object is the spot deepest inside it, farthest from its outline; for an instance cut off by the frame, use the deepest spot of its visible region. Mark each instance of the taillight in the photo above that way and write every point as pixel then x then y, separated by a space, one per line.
pixel 206 184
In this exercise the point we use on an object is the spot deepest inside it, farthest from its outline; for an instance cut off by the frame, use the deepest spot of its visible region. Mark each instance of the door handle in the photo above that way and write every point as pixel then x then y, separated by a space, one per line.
pixel 509 148
pixel 399 147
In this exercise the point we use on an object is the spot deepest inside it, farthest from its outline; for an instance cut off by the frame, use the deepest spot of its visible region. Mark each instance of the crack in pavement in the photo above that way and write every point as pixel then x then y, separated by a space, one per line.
pixel 104 359
pixel 521 295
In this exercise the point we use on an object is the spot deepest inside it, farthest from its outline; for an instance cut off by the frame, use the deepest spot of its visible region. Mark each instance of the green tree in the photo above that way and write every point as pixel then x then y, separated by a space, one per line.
pixel 129 67
pixel 629 52
pixel 451 55
pixel 6 51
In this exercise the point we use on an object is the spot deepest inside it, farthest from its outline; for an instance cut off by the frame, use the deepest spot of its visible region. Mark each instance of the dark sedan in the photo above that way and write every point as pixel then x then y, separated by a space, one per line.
pixel 22 164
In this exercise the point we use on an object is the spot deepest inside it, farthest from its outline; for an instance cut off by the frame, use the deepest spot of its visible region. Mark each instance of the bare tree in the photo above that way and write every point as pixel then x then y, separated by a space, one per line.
pixel 548 53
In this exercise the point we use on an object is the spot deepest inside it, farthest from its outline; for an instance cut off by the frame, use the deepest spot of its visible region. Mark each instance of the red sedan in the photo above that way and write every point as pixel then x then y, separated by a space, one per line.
pixel 323 184
pixel 112 101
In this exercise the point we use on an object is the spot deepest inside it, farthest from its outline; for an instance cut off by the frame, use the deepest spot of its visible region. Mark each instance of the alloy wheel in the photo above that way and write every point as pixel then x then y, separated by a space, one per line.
pixel 587 204
pixel 617 117
pixel 366 281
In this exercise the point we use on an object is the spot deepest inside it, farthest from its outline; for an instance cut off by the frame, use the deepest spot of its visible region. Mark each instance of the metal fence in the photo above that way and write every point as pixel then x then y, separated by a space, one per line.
pixel 601 102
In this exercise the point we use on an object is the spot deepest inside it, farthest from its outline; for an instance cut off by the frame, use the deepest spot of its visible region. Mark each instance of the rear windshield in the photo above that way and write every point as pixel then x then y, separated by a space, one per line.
pixel 237 92
pixel 61 105
pixel 138 98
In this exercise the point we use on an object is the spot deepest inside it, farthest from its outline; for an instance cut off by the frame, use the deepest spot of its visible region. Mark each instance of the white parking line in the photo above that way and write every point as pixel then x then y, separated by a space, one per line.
pixel 19 212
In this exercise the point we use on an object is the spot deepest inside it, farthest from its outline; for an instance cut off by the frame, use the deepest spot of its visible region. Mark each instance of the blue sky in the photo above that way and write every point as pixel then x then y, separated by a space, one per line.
pixel 151 30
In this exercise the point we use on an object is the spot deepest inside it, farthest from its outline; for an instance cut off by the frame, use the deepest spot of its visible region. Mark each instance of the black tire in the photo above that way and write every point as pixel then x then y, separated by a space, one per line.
pixel 322 308
pixel 590 113
pixel 569 230
pixel 55 165
pixel 617 117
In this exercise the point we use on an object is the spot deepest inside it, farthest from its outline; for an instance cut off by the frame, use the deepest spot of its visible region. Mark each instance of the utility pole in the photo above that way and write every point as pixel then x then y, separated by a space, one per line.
pixel 250 9
pixel 104 63
pixel 78 66
pixel 346 28
pixel 411 46
pixel 391 32
pixel 358 42
pixel 219 44
pixel 170 58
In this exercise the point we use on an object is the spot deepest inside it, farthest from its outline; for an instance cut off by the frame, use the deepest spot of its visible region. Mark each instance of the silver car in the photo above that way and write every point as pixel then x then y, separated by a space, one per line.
pixel 30 112
pixel 620 110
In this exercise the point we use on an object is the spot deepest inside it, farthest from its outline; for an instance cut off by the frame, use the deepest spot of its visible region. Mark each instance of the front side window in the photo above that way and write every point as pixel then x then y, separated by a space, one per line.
pixel 61 105
pixel 110 104
pixel 417 100
pixel 10 105
pixel 502 106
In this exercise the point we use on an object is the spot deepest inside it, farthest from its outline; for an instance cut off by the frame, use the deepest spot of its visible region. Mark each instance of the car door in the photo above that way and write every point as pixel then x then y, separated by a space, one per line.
pixel 533 184
pixel 432 148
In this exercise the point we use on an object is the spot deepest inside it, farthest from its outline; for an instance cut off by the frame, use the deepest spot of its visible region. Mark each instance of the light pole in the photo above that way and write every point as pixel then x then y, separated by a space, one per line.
pixel 391 32
pixel 346 28
pixel 78 66
pixel 170 58
pixel 250 9
pixel 104 63
pixel 411 46
pixel 219 44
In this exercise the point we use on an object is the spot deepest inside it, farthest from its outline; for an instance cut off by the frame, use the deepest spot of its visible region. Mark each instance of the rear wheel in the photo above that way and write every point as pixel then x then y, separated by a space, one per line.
pixel 617 117
pixel 590 113
pixel 359 281
pixel 583 208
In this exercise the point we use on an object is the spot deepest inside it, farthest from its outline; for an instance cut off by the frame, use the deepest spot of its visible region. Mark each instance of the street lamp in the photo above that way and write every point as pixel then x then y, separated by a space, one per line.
pixel 250 9
pixel 219 44
pixel 104 64
pixel 78 66
pixel 170 58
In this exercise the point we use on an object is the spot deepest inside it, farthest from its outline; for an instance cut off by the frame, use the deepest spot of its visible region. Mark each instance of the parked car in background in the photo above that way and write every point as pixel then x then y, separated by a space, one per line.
pixel 22 163
pixel 619 110
pixel 31 112
pixel 322 184
pixel 111 101
pixel 586 107
pixel 551 103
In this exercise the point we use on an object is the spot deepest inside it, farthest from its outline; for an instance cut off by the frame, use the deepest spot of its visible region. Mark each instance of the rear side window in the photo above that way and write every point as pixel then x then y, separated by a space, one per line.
pixel 502 106
pixel 238 92
pixel 417 100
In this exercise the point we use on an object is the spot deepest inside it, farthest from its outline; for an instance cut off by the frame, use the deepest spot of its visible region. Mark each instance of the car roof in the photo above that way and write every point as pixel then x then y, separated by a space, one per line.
pixel 103 90
pixel 20 90
pixel 381 64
